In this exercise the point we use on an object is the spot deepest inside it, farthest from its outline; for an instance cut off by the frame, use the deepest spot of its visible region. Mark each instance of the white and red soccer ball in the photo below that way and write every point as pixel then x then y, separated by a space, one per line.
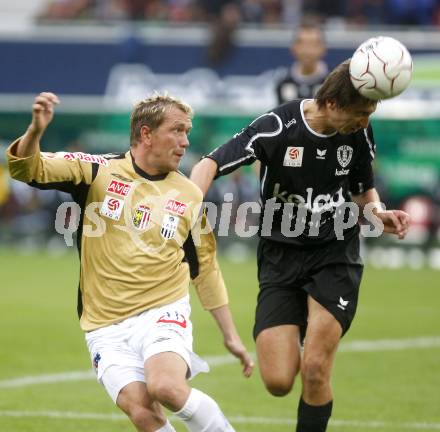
pixel 381 68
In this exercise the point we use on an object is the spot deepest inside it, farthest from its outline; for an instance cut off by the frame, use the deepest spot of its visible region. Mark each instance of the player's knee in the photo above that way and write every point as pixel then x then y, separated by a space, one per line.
pixel 165 391
pixel 145 419
pixel 314 372
pixel 278 386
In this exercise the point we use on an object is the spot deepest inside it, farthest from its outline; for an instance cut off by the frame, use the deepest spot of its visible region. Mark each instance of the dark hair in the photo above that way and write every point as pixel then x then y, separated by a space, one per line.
pixel 338 88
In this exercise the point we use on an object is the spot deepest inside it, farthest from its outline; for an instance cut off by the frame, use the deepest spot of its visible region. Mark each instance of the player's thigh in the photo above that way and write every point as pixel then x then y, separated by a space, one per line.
pixel 168 330
pixel 335 275
pixel 335 287
pixel 278 306
pixel 166 366
pixel 323 334
pixel 116 364
pixel 278 352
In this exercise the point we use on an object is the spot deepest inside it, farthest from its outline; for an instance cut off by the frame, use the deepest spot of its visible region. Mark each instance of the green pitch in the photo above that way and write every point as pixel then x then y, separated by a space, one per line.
pixel 386 386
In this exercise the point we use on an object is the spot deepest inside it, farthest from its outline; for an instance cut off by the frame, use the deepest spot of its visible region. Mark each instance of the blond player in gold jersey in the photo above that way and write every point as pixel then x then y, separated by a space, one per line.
pixel 141 240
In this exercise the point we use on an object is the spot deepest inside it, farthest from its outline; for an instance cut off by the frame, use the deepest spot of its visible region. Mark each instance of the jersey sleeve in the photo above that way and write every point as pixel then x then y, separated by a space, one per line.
pixel 200 253
pixel 61 171
pixel 361 178
pixel 256 141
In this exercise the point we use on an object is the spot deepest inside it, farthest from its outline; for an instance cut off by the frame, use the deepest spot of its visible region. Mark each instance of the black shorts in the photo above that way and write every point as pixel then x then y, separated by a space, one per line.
pixel 331 274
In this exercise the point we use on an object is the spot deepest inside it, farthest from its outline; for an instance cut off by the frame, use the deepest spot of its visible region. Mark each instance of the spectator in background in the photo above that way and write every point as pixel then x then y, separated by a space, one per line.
pixel 264 12
pixel 222 34
pixel 308 72
pixel 67 9
pixel 252 11
pixel 323 9
pixel 406 12
pixel 272 12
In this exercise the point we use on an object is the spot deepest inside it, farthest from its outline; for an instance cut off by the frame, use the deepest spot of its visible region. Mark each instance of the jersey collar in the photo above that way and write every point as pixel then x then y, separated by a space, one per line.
pixel 307 125
pixel 144 174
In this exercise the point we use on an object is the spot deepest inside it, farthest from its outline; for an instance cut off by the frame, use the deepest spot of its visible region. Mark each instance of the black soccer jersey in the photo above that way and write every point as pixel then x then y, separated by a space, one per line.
pixel 305 176
pixel 294 84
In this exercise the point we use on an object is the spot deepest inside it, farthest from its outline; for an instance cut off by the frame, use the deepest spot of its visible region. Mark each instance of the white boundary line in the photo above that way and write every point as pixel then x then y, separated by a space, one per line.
pixel 234 419
pixel 214 361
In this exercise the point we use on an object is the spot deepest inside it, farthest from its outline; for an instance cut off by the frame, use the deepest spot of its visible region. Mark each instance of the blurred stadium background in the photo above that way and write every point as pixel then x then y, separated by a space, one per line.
pixel 223 57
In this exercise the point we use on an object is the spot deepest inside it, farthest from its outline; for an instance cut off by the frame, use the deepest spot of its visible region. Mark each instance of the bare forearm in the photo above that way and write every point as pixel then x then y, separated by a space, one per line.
pixel 223 317
pixel 369 196
pixel 231 338
pixel 42 114
pixel 29 143
pixel 203 174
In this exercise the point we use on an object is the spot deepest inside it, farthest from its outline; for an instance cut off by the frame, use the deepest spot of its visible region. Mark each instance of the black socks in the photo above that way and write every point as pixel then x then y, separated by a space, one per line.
pixel 313 418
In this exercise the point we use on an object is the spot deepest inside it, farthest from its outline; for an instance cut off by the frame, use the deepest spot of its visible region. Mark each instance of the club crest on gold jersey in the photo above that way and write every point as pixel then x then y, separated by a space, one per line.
pixel 169 226
pixel 141 217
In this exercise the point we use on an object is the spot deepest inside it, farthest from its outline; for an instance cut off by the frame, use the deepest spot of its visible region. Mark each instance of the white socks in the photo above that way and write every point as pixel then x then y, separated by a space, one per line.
pixel 167 428
pixel 202 414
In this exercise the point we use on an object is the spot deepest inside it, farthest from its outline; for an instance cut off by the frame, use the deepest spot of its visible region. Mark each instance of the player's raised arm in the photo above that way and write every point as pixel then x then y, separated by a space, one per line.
pixel 42 115
pixel 27 163
pixel 203 174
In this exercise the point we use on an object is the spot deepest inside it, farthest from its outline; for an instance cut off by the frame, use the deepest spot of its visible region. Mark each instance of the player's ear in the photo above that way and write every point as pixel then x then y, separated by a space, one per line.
pixel 145 133
pixel 331 105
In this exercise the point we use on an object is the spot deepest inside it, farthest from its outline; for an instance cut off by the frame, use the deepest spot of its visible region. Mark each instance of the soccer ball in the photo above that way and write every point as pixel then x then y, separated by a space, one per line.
pixel 381 68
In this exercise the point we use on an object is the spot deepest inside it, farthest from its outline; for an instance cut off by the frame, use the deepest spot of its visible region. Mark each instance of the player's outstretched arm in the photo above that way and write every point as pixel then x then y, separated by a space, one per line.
pixel 203 174
pixel 231 338
pixel 394 221
pixel 42 115
pixel 211 289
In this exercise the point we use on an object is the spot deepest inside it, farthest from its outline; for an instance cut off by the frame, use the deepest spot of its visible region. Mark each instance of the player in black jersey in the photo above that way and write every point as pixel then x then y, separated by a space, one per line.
pixel 316 164
pixel 303 78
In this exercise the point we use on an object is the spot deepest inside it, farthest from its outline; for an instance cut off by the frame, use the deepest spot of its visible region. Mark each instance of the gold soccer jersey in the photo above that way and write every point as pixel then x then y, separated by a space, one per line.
pixel 140 237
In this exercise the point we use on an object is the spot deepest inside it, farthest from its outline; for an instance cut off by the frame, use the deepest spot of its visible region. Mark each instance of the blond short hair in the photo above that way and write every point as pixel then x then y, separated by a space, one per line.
pixel 152 111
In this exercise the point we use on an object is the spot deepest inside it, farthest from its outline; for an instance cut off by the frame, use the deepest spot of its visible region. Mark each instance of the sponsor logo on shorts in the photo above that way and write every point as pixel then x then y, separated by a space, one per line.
pixel 141 217
pixel 167 318
pixel 119 188
pixel 342 303
pixel 293 157
pixel 112 207
pixel 176 207
pixel 96 360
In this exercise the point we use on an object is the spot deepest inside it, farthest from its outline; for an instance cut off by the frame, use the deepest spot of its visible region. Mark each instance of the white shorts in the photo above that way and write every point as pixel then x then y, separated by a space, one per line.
pixel 119 351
